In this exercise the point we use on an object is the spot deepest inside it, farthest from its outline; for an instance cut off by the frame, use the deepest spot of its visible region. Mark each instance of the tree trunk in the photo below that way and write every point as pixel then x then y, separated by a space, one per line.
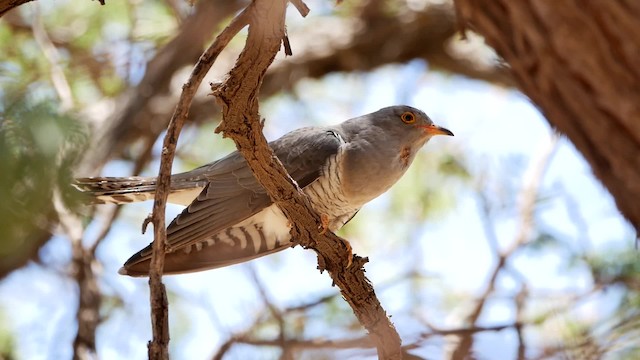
pixel 579 61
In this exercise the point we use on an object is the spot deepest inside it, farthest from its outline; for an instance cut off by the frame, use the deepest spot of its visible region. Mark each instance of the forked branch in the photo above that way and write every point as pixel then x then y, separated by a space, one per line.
pixel 238 95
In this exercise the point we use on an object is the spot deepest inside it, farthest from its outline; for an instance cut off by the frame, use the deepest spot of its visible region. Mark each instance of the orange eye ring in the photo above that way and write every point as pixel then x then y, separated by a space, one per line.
pixel 408 118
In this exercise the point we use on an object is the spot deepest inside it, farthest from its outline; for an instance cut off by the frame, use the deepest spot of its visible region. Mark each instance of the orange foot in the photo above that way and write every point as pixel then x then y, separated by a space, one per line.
pixel 324 219
pixel 350 250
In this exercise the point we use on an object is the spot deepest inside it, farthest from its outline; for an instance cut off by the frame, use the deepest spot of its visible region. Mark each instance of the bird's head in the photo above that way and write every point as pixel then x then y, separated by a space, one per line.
pixel 381 147
pixel 408 125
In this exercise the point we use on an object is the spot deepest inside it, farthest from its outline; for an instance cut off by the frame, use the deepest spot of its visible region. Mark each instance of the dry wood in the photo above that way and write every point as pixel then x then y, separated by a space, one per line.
pixel 238 96
pixel 158 347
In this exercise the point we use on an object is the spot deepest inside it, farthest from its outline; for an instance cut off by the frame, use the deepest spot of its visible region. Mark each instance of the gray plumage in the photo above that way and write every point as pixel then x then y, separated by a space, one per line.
pixel 230 218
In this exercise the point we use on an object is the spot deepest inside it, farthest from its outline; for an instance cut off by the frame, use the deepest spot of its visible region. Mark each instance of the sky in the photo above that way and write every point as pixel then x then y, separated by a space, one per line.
pixel 494 128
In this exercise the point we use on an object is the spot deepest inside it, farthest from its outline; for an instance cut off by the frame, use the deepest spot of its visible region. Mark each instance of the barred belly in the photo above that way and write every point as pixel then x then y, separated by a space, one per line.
pixel 328 199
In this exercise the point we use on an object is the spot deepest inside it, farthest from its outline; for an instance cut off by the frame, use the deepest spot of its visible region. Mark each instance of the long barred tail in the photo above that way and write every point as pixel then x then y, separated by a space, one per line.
pixel 117 190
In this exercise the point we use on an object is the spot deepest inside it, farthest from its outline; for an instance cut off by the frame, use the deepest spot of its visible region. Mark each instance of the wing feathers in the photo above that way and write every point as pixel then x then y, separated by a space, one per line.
pixel 233 195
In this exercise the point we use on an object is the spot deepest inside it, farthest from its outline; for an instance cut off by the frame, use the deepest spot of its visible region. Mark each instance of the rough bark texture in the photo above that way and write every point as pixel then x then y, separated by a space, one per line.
pixel 158 347
pixel 579 62
pixel 238 96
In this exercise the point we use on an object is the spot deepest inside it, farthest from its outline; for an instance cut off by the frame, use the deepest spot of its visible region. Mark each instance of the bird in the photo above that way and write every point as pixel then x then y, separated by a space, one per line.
pixel 229 218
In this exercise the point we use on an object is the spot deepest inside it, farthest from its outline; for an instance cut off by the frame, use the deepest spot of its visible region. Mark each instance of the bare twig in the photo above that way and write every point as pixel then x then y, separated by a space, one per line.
pixel 528 197
pixel 90 299
pixel 297 345
pixel 470 330
pixel 303 9
pixel 59 80
pixel 519 300
pixel 291 345
pixel 158 347
pixel 275 312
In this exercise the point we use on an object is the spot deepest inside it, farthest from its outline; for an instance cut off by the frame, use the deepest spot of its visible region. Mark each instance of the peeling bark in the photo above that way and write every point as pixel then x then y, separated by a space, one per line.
pixel 238 96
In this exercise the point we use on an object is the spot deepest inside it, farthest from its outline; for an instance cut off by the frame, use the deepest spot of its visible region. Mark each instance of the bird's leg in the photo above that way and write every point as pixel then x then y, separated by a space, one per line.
pixel 324 227
pixel 324 220
pixel 349 249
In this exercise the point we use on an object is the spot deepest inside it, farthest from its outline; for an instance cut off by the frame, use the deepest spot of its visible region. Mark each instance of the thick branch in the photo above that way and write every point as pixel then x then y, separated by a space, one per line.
pixel 578 62
pixel 383 39
pixel 238 98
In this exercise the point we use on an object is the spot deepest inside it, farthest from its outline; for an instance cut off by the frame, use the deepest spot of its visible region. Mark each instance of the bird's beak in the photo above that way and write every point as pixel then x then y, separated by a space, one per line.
pixel 435 130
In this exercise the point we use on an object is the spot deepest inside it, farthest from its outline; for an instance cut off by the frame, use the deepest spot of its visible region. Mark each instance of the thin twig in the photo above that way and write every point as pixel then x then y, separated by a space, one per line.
pixel 275 312
pixel 89 297
pixel 107 222
pixel 528 198
pixel 303 9
pixel 158 347
pixel 520 303
pixel 297 345
pixel 59 80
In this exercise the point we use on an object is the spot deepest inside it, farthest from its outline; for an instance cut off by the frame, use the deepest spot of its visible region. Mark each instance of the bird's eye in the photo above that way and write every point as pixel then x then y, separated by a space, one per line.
pixel 408 118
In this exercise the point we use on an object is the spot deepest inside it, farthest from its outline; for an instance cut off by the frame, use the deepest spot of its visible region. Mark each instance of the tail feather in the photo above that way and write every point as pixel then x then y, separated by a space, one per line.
pixel 125 190
pixel 117 190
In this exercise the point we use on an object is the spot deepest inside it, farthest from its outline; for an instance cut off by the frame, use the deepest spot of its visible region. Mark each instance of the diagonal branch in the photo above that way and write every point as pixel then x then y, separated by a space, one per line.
pixel 158 347
pixel 238 97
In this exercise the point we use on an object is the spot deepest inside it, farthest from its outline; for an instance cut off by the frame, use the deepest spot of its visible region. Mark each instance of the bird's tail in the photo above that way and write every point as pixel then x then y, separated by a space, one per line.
pixel 117 190
pixel 124 190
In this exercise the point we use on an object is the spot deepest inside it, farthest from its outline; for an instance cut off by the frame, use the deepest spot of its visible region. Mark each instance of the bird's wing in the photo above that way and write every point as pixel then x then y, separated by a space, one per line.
pixel 232 193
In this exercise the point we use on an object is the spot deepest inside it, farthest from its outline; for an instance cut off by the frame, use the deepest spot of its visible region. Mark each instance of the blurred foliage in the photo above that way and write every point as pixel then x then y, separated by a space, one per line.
pixel 429 187
pixel 616 266
pixel 7 341
pixel 102 50
pixel 38 148
pixel 620 268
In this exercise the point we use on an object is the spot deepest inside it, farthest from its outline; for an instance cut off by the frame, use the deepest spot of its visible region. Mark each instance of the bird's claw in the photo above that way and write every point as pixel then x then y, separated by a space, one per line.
pixel 324 219
pixel 324 227
pixel 349 250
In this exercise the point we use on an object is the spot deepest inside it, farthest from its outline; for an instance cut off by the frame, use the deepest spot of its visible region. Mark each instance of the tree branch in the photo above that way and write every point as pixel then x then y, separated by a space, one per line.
pixel 158 347
pixel 238 97
pixel 578 62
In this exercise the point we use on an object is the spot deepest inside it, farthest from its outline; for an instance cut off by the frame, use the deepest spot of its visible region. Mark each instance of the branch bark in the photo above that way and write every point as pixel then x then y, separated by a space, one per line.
pixel 238 96
pixel 384 38
pixel 158 347
pixel 578 61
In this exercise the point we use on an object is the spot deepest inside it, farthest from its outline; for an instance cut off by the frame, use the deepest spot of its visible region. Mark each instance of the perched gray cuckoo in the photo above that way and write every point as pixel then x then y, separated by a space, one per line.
pixel 229 217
